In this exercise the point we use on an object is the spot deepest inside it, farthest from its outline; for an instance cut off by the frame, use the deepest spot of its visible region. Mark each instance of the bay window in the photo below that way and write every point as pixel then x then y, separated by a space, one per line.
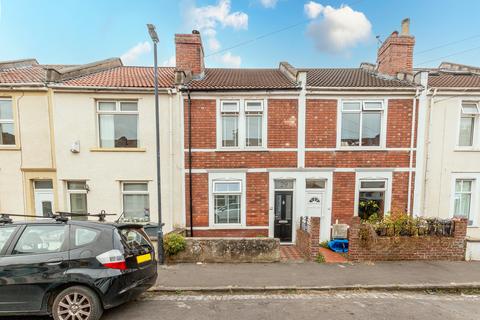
pixel 361 123
pixel 7 128
pixel 118 124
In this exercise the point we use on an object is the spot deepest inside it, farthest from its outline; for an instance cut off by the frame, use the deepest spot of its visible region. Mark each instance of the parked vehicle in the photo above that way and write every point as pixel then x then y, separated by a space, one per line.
pixel 72 269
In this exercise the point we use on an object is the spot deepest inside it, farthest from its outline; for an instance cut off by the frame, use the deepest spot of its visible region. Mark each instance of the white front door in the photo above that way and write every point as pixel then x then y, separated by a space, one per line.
pixel 43 193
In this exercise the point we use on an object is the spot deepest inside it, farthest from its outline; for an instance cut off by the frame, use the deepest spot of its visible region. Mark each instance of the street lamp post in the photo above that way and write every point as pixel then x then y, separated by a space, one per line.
pixel 154 36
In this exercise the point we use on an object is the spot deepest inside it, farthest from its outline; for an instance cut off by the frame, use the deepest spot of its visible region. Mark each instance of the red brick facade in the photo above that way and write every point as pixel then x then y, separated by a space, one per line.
pixel 282 132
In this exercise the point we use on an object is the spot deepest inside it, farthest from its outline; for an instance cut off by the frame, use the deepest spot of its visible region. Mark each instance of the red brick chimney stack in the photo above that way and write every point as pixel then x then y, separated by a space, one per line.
pixel 396 53
pixel 189 53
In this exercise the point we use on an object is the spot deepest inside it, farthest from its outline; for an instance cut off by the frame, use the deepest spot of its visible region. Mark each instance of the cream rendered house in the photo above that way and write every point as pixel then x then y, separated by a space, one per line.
pixel 452 165
pixel 100 128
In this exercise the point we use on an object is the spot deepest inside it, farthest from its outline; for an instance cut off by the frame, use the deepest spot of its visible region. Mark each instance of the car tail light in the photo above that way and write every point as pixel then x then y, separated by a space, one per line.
pixel 112 259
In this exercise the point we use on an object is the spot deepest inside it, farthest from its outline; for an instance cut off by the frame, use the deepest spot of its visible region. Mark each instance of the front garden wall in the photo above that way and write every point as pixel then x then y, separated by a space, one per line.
pixel 407 248
pixel 228 250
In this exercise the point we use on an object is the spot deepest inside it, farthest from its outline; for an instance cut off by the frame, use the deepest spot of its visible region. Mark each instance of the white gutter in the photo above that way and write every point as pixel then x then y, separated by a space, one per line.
pixel 171 153
pixel 302 101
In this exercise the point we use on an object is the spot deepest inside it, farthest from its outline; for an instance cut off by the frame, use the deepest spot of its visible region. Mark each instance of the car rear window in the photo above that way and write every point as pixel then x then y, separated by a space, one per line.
pixel 85 236
pixel 5 234
pixel 135 239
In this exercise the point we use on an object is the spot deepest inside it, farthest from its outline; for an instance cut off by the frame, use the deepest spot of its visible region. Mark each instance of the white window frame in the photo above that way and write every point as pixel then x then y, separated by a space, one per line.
pixel 476 126
pixel 114 112
pixel 474 209
pixel 242 114
pixel 10 121
pixel 374 176
pixel 383 122
pixel 147 192
pixel 71 191
pixel 216 177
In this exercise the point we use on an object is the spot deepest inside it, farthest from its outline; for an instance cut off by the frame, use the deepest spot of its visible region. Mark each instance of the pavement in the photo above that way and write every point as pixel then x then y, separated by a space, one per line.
pixel 314 276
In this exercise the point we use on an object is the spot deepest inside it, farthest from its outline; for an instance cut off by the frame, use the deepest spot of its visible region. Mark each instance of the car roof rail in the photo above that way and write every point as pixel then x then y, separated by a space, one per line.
pixel 101 216
pixel 5 218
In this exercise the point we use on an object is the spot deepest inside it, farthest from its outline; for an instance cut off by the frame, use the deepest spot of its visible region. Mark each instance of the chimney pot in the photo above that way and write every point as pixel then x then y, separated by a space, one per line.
pixel 405 27
pixel 195 32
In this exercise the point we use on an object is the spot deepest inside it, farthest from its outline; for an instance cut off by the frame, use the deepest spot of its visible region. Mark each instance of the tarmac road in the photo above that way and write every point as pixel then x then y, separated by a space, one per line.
pixel 327 305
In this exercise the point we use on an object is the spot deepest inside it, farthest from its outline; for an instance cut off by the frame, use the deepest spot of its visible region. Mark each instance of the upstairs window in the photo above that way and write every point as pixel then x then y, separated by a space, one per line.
pixel 361 123
pixel 118 124
pixel 7 128
pixel 230 113
pixel 468 124
pixel 242 124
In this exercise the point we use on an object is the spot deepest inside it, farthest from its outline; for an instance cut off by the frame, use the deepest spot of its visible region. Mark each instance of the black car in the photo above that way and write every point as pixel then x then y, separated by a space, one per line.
pixel 71 269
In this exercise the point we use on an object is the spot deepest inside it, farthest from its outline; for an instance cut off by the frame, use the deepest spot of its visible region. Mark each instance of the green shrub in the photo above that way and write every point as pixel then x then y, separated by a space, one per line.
pixel 174 243
pixel 324 244
pixel 320 258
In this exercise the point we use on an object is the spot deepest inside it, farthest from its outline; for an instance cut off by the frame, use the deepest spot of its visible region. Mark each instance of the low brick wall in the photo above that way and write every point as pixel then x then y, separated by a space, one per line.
pixel 381 248
pixel 228 250
pixel 307 241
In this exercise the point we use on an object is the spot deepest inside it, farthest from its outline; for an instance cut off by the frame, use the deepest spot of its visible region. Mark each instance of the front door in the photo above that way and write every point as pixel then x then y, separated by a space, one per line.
pixel 43 191
pixel 283 215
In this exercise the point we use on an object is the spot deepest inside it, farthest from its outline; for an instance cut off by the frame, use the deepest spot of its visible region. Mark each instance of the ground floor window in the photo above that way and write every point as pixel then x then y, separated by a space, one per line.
pixel 77 198
pixel 136 201
pixel 463 199
pixel 371 198
pixel 227 202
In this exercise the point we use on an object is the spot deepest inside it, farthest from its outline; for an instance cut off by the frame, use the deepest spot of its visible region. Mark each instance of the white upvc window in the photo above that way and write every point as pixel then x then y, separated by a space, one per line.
pixel 7 126
pixel 227 201
pixel 242 124
pixel 361 124
pixel 469 123
pixel 117 124
pixel 373 194
pixel 136 201
pixel 77 198
pixel 463 200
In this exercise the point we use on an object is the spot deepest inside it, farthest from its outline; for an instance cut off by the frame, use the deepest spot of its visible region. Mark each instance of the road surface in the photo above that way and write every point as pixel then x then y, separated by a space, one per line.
pixel 328 305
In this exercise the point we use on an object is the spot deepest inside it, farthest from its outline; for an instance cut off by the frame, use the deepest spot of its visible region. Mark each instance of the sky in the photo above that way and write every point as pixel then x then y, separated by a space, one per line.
pixel 238 33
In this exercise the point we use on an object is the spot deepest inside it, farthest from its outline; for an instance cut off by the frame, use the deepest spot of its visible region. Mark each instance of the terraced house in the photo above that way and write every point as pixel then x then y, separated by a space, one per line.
pixel 82 139
pixel 266 146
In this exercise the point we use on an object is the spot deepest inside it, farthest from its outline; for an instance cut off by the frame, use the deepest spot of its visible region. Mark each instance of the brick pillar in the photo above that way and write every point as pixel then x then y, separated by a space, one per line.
pixel 353 238
pixel 314 237
pixel 460 228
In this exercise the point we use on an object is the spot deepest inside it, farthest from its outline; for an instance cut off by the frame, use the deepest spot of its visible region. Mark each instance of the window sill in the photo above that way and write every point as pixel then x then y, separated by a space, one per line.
pixel 241 150
pixel 361 149
pixel 118 150
pixel 467 149
pixel 227 226
pixel 9 148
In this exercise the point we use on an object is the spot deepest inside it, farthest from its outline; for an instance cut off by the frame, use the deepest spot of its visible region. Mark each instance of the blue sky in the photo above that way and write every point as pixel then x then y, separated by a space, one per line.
pixel 326 34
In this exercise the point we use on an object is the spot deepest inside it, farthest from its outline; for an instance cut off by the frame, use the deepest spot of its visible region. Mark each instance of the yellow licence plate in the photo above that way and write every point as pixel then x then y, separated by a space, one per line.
pixel 144 258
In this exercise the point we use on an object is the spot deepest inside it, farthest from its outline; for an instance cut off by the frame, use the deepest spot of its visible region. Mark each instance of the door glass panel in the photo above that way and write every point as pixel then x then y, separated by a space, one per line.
pixel 41 239
pixel 288 207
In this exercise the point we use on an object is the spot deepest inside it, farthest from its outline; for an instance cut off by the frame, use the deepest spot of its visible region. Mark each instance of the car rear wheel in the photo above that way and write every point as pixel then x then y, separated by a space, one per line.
pixel 77 303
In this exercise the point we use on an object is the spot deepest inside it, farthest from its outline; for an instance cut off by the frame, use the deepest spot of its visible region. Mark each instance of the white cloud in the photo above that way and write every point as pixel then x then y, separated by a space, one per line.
pixel 170 62
pixel 208 19
pixel 335 30
pixel 230 60
pixel 269 3
pixel 133 54
pixel 312 9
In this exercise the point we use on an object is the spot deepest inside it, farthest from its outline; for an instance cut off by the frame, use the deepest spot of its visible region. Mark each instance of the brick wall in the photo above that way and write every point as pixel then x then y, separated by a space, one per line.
pixel 189 53
pixel 308 241
pixel 204 120
pixel 257 199
pixel 231 233
pixel 200 199
pixel 354 159
pixel 282 123
pixel 399 123
pixel 343 197
pixel 321 124
pixel 396 54
pixel 407 248
pixel 246 159
pixel 400 192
